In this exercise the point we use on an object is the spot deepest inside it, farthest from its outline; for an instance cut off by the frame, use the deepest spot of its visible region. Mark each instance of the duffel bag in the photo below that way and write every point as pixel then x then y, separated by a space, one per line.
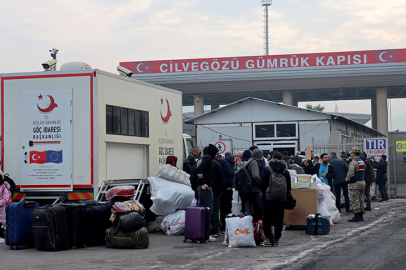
pixel 127 240
pixel 131 222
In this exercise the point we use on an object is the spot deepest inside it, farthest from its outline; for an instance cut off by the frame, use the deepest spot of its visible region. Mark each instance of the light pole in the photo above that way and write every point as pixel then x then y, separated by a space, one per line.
pixel 266 4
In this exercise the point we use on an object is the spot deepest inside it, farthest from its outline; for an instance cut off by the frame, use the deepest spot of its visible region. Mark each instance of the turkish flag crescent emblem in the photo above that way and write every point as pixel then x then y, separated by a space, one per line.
pixel 386 56
pixel 38 157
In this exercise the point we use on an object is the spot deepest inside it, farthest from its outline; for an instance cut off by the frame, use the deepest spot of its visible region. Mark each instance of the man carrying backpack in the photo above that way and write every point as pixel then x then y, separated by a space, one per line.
pixel 251 192
pixel 275 186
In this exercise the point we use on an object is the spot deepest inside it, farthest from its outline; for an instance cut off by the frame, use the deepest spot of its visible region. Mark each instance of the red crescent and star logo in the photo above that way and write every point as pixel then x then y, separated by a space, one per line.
pixel 49 106
pixel 168 113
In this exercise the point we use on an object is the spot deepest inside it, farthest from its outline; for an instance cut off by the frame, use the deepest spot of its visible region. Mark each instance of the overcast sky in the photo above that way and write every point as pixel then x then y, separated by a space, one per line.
pixel 102 33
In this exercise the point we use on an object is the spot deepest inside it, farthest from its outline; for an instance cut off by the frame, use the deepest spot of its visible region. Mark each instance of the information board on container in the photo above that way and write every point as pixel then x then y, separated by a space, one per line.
pixel 46 138
pixel 376 147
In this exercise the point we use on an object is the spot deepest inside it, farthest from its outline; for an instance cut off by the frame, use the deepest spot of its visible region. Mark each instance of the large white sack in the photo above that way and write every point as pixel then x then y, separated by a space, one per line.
pixel 236 203
pixel 240 232
pixel 168 172
pixel 322 202
pixel 167 196
pixel 331 204
pixel 174 224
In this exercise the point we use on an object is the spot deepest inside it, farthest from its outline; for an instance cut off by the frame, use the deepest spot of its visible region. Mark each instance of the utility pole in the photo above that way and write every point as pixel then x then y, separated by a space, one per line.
pixel 266 4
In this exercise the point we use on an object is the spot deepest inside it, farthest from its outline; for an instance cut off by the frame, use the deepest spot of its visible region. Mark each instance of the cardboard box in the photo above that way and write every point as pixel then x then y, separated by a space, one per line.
pixel 306 204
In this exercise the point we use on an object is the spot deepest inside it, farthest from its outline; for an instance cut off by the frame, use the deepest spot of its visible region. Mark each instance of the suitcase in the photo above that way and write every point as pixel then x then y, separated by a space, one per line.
pixel 197 224
pixel 97 222
pixel 317 225
pixel 76 222
pixel 49 228
pixel 19 224
pixel 115 238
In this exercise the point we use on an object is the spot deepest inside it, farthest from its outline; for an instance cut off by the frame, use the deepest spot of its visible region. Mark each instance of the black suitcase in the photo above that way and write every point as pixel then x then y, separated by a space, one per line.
pixel 49 228
pixel 97 222
pixel 76 222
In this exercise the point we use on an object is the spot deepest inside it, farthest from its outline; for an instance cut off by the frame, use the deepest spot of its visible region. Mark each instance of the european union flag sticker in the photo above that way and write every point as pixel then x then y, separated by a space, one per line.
pixel 54 156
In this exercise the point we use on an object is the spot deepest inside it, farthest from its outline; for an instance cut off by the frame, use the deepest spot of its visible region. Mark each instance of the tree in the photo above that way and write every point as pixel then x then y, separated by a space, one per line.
pixel 317 107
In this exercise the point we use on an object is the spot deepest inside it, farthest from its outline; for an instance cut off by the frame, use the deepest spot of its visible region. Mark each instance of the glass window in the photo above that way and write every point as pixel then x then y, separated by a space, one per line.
pixel 116 120
pixel 286 130
pixel 109 119
pixel 124 121
pixel 404 158
pixel 131 122
pixel 138 120
pixel 265 131
pixel 145 124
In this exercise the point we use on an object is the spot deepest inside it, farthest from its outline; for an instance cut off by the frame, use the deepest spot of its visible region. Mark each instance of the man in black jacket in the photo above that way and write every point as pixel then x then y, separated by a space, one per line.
pixel 273 210
pixel 324 170
pixel 191 159
pixel 369 177
pixel 381 176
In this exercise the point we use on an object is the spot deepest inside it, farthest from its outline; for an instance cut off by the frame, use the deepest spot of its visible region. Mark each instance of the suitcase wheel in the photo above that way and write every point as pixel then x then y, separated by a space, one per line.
pixel 198 241
pixel 184 240
pixel 84 246
pixel 73 247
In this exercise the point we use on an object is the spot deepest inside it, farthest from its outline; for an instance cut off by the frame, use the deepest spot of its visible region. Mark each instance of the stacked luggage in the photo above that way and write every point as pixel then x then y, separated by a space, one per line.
pixel 129 226
pixel 19 224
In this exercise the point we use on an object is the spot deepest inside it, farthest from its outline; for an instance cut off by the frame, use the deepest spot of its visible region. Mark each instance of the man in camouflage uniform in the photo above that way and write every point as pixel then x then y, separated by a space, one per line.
pixel 355 177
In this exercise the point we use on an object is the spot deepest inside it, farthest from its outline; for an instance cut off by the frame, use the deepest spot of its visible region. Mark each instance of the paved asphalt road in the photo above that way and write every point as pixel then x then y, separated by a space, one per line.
pixel 377 243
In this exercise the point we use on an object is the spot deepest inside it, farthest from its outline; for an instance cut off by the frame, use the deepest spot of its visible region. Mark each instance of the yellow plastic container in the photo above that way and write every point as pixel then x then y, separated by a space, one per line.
pixel 304 181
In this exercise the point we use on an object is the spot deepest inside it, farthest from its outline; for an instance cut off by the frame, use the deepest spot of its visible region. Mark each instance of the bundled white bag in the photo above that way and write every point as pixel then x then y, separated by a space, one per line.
pixel 322 203
pixel 331 204
pixel 167 196
pixel 168 172
pixel 174 224
pixel 240 232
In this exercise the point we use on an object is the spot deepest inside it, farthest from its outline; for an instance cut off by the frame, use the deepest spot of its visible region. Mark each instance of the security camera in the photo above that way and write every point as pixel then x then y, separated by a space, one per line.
pixel 197 99
pixel 48 65
pixel 124 72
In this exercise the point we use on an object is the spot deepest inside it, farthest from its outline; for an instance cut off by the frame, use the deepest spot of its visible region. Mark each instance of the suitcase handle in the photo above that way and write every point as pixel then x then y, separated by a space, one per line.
pixel 29 204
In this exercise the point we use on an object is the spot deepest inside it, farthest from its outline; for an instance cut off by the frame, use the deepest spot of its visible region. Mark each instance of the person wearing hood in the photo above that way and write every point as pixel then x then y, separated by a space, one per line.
pixel 273 210
pixel 226 197
pixel 172 160
pixel 230 159
pixel 4 198
pixel 253 194
pixel 381 176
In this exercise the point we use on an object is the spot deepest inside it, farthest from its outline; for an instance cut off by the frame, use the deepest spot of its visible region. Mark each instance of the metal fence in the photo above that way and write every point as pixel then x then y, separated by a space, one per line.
pixel 321 146
pixel 236 147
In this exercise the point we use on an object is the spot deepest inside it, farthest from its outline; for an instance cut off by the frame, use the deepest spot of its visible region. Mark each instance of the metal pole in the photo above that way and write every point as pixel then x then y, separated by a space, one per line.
pixel 266 31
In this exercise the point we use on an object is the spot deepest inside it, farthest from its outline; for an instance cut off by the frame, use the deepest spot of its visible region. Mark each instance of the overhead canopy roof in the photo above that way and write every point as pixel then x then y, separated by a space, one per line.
pixel 323 77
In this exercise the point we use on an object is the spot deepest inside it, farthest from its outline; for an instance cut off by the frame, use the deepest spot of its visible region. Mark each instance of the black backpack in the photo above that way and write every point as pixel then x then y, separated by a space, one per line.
pixel 277 186
pixel 243 181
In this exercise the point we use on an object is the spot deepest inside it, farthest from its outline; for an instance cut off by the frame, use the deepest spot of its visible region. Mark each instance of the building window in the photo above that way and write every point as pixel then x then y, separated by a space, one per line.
pixel 404 158
pixel 285 130
pixel 124 121
pixel 265 131
pixel 275 131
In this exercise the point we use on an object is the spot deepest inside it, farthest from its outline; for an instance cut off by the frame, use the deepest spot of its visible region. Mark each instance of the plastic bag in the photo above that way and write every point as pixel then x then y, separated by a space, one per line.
pixel 167 196
pixel 240 232
pixel 194 203
pixel 236 203
pixel 174 224
pixel 120 192
pixel 168 172
pixel 156 225
pixel 331 204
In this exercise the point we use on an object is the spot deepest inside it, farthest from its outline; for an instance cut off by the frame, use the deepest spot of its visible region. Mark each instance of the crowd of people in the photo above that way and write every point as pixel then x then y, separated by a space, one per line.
pixel 213 178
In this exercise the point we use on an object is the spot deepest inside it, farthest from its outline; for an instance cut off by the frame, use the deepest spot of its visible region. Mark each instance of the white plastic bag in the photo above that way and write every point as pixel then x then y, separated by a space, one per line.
pixel 194 203
pixel 174 224
pixel 240 232
pixel 168 172
pixel 322 203
pixel 236 203
pixel 167 196
pixel 331 204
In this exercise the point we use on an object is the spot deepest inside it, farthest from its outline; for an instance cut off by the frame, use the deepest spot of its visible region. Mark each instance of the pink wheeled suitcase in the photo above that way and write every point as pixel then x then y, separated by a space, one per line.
pixel 197 224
